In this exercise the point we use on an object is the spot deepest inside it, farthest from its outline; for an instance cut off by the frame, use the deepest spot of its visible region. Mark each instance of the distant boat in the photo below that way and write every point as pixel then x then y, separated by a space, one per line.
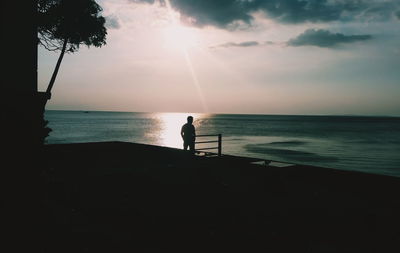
pixel 86 112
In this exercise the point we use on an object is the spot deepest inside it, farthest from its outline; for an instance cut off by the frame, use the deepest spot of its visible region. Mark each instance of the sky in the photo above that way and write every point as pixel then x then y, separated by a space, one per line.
pixel 308 57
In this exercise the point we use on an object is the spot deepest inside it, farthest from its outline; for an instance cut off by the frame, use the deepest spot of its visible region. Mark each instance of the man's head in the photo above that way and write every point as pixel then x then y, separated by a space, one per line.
pixel 190 119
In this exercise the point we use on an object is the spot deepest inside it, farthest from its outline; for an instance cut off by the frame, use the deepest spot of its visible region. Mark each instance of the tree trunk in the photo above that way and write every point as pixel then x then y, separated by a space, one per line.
pixel 53 77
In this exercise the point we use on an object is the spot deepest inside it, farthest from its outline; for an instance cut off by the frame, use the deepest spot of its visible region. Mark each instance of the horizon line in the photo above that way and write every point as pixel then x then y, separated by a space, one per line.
pixel 225 113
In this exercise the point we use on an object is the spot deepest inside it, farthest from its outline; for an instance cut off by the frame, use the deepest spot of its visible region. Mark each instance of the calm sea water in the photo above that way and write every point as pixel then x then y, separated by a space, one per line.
pixel 370 144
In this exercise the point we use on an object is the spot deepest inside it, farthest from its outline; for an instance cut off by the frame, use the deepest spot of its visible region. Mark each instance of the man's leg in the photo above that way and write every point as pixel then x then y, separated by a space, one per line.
pixel 185 145
pixel 191 147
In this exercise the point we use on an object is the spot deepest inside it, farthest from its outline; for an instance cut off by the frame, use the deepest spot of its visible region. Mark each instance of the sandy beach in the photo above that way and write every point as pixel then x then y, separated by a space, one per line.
pixel 124 197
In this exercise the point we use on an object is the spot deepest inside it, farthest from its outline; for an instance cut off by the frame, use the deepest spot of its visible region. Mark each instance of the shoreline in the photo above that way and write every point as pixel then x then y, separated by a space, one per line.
pixel 256 160
pixel 358 144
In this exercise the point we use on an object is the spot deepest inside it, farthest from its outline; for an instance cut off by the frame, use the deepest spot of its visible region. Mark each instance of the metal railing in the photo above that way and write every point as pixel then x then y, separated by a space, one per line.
pixel 219 141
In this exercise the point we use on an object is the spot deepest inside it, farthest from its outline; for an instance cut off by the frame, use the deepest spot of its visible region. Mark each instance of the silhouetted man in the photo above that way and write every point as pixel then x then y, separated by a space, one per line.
pixel 188 133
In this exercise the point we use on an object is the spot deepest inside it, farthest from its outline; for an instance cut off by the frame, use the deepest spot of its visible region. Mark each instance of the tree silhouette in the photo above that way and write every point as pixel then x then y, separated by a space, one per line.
pixel 64 25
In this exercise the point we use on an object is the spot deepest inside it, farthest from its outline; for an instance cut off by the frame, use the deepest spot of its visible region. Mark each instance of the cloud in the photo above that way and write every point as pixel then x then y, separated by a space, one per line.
pixel 112 22
pixel 397 13
pixel 241 44
pixel 224 13
pixel 245 44
pixel 269 42
pixel 144 1
pixel 325 38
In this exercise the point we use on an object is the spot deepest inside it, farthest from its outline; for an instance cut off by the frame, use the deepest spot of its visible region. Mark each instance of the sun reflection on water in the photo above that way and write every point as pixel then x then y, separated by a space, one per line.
pixel 170 127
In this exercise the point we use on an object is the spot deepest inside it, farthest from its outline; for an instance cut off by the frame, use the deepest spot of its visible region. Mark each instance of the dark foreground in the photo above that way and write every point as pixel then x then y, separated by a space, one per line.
pixel 124 197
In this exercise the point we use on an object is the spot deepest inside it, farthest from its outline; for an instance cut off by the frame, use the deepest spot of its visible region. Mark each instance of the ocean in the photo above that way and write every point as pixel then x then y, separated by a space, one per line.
pixel 368 144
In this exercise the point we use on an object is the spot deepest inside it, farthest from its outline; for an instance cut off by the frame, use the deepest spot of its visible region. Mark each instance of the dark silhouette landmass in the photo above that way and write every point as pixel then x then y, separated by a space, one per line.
pixel 125 197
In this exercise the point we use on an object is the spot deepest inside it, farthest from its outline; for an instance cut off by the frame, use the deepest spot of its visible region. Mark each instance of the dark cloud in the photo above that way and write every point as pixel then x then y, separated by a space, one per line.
pixel 112 22
pixel 241 44
pixel 324 38
pixel 398 14
pixel 219 13
pixel 245 44
pixel 144 1
pixel 223 13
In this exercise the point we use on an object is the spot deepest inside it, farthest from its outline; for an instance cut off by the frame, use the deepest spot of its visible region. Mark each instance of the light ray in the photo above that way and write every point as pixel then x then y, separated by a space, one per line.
pixel 196 82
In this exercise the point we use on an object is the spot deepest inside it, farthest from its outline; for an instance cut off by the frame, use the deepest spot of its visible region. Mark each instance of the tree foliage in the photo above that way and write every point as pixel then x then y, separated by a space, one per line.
pixel 66 24
pixel 73 22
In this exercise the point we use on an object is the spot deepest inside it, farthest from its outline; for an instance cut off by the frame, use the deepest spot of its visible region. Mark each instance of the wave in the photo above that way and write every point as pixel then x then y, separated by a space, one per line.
pixel 289 154
pixel 287 143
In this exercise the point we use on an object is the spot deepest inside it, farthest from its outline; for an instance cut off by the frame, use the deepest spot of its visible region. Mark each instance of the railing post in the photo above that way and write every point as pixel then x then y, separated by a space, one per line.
pixel 219 144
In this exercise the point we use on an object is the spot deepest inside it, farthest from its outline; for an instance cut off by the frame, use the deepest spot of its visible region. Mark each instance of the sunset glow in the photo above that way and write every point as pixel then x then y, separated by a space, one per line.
pixel 179 37
pixel 168 56
pixel 171 124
